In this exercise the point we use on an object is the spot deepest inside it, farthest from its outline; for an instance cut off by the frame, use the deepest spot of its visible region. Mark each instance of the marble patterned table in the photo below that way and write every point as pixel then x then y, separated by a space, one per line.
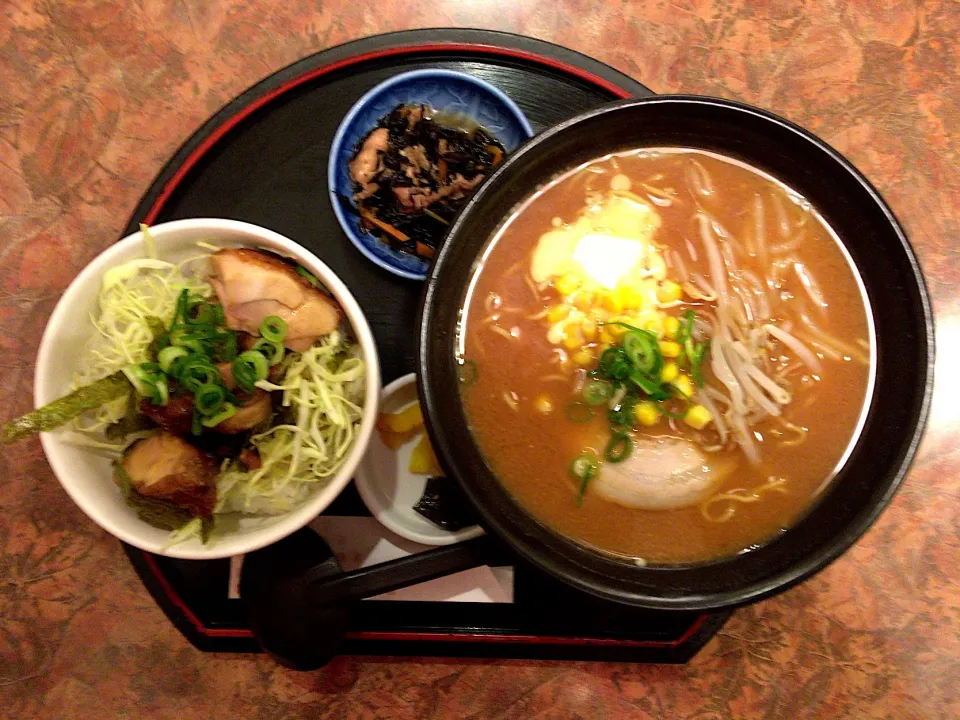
pixel 95 96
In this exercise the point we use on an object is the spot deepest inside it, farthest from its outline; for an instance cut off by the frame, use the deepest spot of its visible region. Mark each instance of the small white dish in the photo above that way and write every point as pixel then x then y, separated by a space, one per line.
pixel 389 489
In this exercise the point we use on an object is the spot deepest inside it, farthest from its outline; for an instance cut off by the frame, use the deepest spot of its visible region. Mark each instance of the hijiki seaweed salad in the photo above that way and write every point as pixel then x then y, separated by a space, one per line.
pixel 228 383
pixel 413 173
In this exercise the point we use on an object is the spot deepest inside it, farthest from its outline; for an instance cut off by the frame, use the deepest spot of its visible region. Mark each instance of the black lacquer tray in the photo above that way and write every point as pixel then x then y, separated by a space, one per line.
pixel 263 159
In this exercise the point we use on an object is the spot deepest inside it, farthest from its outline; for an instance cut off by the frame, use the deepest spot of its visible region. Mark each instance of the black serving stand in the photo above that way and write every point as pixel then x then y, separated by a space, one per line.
pixel 263 159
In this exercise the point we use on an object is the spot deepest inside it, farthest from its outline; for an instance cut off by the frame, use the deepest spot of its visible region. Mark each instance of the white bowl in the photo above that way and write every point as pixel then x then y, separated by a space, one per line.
pixel 390 490
pixel 87 477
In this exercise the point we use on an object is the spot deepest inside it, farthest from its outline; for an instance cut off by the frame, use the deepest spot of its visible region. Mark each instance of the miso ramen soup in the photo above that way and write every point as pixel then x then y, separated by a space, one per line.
pixel 668 354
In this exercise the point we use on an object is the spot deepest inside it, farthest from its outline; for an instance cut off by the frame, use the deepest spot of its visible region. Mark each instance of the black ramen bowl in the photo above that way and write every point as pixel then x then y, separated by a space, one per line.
pixel 901 316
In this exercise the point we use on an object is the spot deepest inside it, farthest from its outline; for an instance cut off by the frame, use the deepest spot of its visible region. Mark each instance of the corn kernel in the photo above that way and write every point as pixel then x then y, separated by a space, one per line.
pixel 606 336
pixel 698 417
pixel 617 330
pixel 629 297
pixel 670 327
pixel 670 349
pixel 668 291
pixel 611 301
pixel 583 300
pixel 557 313
pixel 582 358
pixel 646 413
pixel 669 373
pixel 654 324
pixel 684 385
pixel 589 329
pixel 543 405
pixel 572 341
pixel 567 284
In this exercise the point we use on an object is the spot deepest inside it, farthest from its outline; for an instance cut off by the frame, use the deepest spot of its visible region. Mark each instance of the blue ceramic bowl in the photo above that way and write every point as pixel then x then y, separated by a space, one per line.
pixel 443 90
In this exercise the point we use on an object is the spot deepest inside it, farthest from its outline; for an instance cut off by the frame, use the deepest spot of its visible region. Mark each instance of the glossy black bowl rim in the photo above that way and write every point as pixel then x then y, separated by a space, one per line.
pixel 813 562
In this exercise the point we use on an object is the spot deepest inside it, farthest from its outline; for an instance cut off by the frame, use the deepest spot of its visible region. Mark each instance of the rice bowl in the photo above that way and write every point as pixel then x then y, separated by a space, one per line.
pixel 85 475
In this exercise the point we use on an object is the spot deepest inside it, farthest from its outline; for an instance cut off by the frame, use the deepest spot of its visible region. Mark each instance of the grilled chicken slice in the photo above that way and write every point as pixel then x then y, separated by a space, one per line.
pixel 175 417
pixel 252 285
pixel 226 375
pixel 251 413
pixel 167 467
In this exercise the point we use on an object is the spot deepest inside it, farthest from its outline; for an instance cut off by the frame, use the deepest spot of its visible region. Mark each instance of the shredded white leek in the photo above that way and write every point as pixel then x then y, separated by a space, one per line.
pixel 191 529
pixel 323 396
pixel 129 295
pixel 322 390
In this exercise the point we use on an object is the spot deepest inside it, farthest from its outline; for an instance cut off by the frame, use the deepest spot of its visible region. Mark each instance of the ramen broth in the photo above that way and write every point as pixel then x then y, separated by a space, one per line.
pixel 538 321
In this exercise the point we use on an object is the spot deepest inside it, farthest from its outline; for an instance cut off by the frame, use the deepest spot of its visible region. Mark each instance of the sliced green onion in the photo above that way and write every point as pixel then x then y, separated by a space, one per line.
pixel 643 352
pixel 149 382
pixel 274 352
pixel 176 367
pixel 652 387
pixel 189 340
pixel 621 416
pixel 597 392
pixel 578 412
pixel 228 411
pixel 248 368
pixel 619 448
pixel 226 346
pixel 218 317
pixel 258 361
pixel 583 469
pixel 162 394
pixel 195 371
pixel 166 356
pixel 302 271
pixel 244 374
pixel 615 364
pixel 199 312
pixel 629 327
pixel 697 361
pixel 273 328
pixel 686 327
pixel 180 313
pixel 133 374
pixel 196 428
pixel 208 399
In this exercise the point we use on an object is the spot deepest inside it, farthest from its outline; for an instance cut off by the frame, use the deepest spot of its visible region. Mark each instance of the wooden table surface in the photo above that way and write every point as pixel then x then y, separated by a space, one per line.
pixel 96 95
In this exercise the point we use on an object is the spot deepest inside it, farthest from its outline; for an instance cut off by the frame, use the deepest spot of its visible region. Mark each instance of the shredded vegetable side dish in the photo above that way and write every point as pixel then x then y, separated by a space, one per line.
pixel 227 383
pixel 322 391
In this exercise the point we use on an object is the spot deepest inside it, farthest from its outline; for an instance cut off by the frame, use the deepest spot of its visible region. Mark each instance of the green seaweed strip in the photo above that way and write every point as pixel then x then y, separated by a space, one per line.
pixel 161 514
pixel 64 409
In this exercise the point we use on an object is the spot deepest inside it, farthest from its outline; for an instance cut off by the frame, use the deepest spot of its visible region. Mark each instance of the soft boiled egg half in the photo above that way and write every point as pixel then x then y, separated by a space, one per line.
pixel 609 243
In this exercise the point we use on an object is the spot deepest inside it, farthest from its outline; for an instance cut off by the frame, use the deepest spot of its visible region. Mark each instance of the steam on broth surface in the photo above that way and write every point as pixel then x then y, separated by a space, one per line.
pixel 668 354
